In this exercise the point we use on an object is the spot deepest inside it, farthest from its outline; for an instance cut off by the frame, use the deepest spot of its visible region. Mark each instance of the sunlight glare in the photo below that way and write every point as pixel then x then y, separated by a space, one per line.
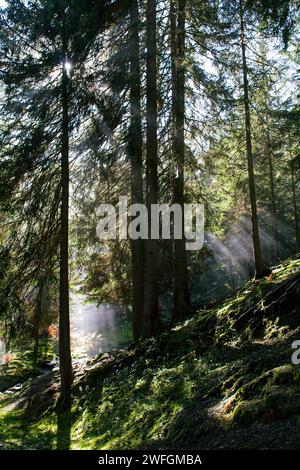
pixel 67 66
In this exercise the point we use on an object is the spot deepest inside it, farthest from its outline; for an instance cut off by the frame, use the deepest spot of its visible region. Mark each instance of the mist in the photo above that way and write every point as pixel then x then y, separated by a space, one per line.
pixel 96 328
pixel 227 263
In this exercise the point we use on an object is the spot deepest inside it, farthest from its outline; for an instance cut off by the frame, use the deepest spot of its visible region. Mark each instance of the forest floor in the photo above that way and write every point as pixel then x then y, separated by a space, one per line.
pixel 222 379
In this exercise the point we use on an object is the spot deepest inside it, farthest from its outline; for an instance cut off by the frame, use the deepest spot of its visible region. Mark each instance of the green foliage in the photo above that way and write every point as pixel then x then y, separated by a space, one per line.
pixel 21 363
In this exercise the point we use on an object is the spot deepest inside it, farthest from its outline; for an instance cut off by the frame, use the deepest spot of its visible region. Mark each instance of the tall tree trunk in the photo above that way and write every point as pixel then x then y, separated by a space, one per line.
pixel 296 217
pixel 136 159
pixel 273 196
pixel 260 269
pixel 181 297
pixel 65 360
pixel 151 246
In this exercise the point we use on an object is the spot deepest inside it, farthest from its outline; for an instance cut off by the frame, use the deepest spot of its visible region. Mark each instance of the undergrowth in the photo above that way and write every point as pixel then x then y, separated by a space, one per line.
pixel 222 379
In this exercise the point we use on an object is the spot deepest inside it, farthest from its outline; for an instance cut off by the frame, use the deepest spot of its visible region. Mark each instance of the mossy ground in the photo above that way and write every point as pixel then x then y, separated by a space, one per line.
pixel 222 379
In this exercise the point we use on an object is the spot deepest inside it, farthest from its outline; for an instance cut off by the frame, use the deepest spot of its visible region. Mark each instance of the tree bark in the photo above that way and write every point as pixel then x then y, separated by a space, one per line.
pixel 151 307
pixel 136 159
pixel 181 297
pixel 260 268
pixel 65 360
pixel 296 217
pixel 273 197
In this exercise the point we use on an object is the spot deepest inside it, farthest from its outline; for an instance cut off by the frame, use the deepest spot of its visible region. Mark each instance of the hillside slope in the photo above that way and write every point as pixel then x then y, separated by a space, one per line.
pixel 222 379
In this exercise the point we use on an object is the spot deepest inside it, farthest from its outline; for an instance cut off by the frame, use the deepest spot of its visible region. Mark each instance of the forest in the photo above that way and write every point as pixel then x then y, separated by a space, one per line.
pixel 149 225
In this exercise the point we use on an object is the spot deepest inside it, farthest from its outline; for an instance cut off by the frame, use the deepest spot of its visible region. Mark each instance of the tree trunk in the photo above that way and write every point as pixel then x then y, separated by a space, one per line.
pixel 260 269
pixel 296 217
pixel 273 197
pixel 151 246
pixel 136 159
pixel 65 360
pixel 181 297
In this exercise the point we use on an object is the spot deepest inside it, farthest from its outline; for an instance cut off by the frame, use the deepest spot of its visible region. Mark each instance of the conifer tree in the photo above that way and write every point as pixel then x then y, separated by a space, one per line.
pixel 181 297
pixel 136 159
pixel 151 245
